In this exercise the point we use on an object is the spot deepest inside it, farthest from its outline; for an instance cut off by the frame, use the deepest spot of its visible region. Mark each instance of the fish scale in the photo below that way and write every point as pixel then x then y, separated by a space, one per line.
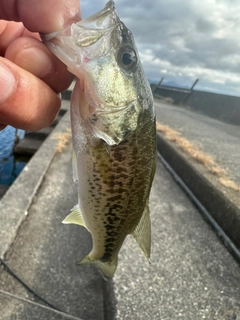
pixel 114 136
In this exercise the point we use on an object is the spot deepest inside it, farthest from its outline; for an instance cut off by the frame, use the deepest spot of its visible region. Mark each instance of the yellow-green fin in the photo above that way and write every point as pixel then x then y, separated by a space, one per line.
pixel 107 269
pixel 142 232
pixel 75 217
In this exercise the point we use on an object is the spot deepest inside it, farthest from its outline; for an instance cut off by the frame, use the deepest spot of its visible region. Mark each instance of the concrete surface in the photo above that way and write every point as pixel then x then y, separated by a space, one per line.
pixel 45 251
pixel 27 146
pixel 217 139
pixel 20 308
pixel 218 106
pixel 41 134
pixel 192 275
pixel 3 190
pixel 33 140
pixel 15 203
pixel 221 140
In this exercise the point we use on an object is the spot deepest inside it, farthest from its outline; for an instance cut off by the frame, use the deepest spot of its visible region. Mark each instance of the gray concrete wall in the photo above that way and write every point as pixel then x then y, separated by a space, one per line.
pixel 219 106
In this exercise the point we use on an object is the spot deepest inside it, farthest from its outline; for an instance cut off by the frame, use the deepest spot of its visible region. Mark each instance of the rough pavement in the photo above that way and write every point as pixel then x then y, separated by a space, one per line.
pixel 216 138
pixel 217 185
pixel 192 275
pixel 45 252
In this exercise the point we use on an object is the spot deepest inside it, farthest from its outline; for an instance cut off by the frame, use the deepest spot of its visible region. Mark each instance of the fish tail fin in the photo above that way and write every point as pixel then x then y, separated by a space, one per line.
pixel 142 232
pixel 107 269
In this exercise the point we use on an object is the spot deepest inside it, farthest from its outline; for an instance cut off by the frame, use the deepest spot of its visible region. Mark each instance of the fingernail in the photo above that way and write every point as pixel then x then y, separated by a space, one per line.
pixel 7 82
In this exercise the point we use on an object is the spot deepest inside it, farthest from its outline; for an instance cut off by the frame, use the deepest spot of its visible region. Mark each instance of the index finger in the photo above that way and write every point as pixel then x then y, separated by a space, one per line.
pixel 41 16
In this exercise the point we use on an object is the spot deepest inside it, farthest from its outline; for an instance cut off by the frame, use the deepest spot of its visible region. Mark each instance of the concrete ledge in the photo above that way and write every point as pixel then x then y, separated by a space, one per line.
pixel 215 105
pixel 27 309
pixel 66 95
pixel 15 203
pixel 3 190
pixel 28 146
pixel 222 209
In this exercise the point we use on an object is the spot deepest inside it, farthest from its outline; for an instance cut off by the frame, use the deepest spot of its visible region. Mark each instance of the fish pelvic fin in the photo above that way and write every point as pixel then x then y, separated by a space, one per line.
pixel 142 232
pixel 75 217
pixel 106 268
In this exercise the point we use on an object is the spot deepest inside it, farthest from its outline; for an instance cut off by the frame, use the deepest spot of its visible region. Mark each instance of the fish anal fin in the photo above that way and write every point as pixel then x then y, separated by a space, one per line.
pixel 107 269
pixel 75 217
pixel 142 232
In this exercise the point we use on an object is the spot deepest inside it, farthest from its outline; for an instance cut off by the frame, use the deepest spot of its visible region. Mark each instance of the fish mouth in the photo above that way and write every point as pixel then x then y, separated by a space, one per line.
pixel 104 20
pixel 77 44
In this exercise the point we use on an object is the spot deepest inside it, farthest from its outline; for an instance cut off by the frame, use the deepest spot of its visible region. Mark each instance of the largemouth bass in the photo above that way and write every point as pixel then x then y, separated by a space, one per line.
pixel 113 131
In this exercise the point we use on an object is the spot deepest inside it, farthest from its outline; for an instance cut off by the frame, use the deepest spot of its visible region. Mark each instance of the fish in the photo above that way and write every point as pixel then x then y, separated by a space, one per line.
pixel 113 132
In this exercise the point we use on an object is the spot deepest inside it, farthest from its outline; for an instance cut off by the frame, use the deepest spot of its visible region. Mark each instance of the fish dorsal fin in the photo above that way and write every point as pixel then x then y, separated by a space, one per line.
pixel 142 232
pixel 74 167
pixel 75 217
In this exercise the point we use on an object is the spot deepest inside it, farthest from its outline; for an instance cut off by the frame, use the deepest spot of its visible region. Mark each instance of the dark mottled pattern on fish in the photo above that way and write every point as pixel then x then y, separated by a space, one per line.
pixel 119 186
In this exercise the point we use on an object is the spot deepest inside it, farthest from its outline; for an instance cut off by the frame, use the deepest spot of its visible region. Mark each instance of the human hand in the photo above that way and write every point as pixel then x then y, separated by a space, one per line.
pixel 30 75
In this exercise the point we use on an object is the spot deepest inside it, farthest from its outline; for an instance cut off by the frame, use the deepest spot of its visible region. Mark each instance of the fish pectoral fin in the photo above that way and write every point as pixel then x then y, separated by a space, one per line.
pixel 107 269
pixel 74 167
pixel 142 232
pixel 75 217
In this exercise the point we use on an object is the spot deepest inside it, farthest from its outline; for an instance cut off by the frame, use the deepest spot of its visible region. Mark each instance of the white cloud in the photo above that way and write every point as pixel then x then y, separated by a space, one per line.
pixel 191 38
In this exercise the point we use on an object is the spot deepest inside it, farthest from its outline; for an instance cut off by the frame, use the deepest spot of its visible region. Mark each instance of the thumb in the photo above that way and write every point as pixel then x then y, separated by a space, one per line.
pixel 41 15
pixel 26 102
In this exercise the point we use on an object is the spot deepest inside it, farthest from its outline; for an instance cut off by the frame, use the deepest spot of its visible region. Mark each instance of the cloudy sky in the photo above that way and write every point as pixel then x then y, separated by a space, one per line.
pixel 184 40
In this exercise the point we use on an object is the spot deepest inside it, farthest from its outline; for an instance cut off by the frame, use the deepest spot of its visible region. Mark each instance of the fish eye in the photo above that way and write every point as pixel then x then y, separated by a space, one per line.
pixel 127 58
